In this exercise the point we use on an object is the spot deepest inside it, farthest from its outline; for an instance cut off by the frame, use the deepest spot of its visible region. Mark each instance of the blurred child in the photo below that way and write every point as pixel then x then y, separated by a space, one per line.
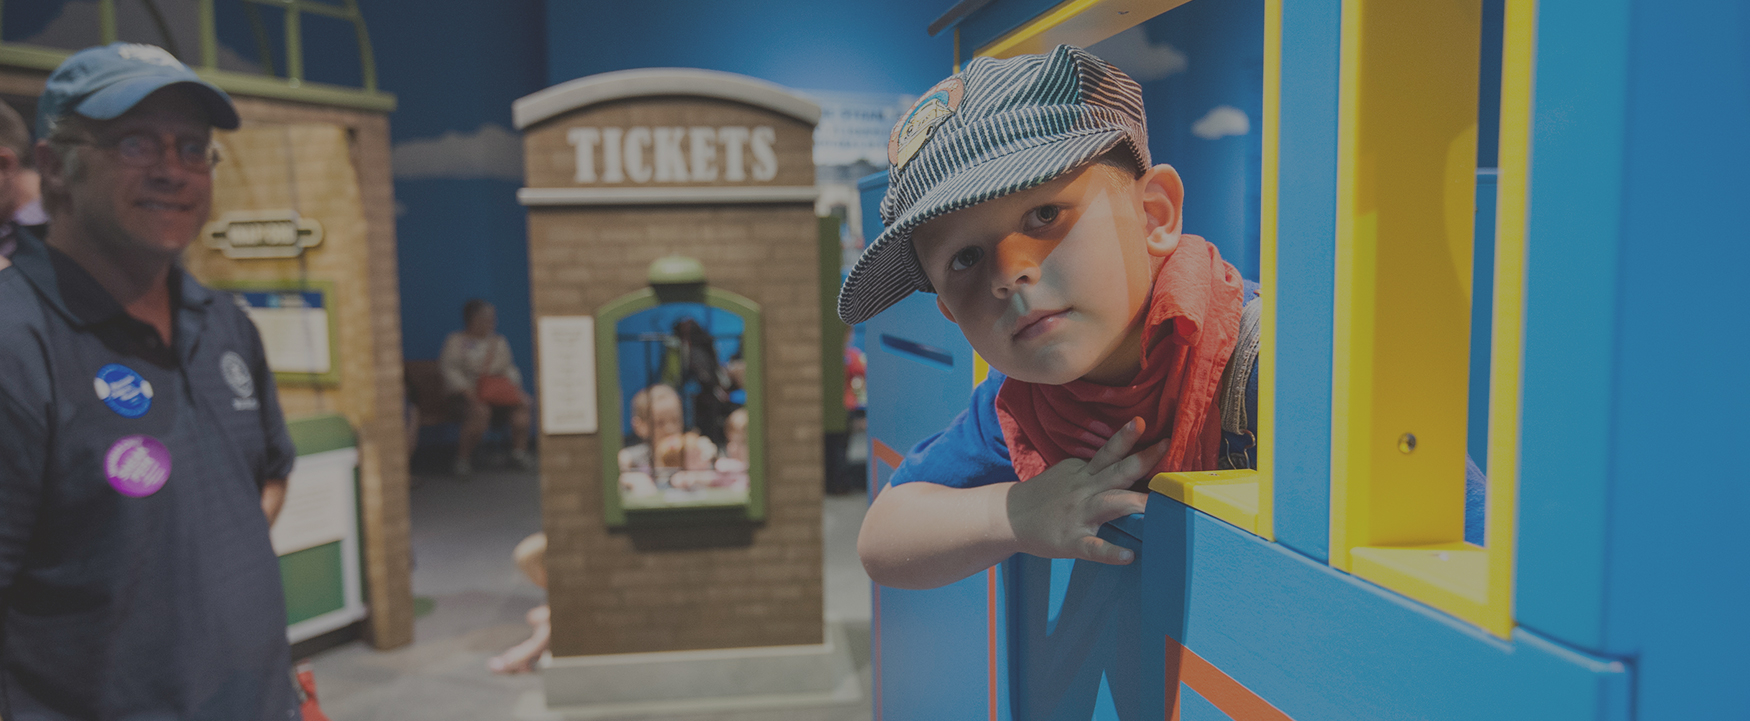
pixel 531 557
pixel 656 416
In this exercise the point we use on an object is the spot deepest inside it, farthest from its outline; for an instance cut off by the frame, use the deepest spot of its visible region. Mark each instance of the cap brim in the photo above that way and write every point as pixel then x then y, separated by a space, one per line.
pixel 111 102
pixel 888 270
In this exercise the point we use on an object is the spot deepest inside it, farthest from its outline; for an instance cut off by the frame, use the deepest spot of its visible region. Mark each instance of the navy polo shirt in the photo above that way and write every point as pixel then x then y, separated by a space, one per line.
pixel 136 576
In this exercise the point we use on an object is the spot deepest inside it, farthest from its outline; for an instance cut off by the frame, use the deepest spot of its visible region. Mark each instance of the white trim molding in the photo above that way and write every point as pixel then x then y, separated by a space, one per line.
pixel 669 196
pixel 644 82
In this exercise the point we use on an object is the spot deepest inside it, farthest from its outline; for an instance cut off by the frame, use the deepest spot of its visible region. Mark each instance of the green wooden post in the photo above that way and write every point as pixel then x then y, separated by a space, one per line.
pixel 294 44
pixel 106 21
pixel 209 36
pixel 833 418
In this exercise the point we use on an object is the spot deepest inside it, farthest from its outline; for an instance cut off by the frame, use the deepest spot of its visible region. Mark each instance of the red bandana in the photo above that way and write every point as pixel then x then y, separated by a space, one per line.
pixel 1192 325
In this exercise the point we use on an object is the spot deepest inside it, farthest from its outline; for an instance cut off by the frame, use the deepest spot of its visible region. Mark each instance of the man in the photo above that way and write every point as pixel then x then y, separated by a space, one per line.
pixel 143 455
pixel 20 203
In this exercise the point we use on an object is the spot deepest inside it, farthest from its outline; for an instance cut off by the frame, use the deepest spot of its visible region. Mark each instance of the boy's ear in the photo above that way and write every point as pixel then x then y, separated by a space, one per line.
pixel 1163 203
pixel 944 308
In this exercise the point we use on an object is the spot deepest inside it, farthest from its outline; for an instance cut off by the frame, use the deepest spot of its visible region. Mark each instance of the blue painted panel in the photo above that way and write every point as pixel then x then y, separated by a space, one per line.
pixel 1076 637
pixel 1306 257
pixel 1573 238
pixel 1675 583
pixel 1482 310
pixel 910 395
pixel 1320 644
pixel 1194 707
pixel 935 651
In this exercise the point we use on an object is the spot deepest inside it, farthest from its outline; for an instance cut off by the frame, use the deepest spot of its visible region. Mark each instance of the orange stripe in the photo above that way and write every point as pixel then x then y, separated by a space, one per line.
pixel 1220 689
pixel 885 453
pixel 875 639
pixel 990 611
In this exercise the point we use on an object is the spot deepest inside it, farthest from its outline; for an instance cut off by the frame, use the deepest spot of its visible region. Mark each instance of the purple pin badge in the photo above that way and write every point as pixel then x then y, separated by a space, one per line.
pixel 137 466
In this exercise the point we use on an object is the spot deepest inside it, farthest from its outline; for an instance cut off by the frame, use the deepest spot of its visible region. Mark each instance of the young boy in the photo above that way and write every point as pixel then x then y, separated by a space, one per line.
pixel 1021 193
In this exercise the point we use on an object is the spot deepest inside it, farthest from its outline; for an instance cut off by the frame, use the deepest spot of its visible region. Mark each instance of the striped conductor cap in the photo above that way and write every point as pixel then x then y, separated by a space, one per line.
pixel 998 127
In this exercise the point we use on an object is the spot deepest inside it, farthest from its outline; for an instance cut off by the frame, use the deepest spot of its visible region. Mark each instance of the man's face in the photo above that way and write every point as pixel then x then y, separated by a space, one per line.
pixel 156 209
pixel 1049 284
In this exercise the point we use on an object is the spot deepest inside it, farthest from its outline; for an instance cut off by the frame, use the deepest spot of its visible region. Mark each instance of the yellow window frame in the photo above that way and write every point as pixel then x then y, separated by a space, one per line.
pixel 1405 191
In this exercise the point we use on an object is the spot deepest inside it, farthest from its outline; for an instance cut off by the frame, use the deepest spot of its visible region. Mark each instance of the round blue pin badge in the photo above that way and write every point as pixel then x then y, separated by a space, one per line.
pixel 123 390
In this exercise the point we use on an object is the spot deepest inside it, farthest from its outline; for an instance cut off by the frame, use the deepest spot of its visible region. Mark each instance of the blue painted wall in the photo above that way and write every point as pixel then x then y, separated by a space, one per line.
pixel 456 66
pixel 1222 42
pixel 875 47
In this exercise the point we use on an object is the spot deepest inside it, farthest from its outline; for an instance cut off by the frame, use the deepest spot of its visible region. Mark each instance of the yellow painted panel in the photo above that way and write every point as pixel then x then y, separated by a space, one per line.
pixel 1406 179
pixel 1508 335
pixel 1231 496
pixel 1405 199
pixel 1076 22
pixel 980 369
pixel 1450 576
pixel 1266 503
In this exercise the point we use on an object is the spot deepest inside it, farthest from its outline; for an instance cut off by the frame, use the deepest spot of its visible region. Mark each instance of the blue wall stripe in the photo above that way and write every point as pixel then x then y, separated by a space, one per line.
pixel 1306 269
pixel 1572 243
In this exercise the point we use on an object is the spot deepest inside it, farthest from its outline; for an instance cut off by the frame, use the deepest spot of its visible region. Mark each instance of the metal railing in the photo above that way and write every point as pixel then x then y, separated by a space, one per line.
pixel 289 85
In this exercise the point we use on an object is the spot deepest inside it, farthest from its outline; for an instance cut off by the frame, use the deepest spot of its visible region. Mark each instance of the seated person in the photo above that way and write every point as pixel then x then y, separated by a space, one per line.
pixel 477 353
pixel 1022 194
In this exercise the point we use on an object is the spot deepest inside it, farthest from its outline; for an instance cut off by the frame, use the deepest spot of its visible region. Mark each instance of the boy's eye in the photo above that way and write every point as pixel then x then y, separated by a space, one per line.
pixel 967 257
pixel 1044 215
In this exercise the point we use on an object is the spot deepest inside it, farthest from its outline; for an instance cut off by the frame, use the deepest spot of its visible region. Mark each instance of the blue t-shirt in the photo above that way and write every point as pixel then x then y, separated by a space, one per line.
pixel 970 452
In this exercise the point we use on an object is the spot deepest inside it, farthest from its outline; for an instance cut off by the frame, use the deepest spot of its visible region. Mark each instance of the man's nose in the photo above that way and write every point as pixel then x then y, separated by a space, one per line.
pixel 1017 264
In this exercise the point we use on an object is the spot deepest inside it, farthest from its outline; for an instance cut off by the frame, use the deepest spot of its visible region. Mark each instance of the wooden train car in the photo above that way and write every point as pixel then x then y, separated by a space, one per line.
pixel 1492 226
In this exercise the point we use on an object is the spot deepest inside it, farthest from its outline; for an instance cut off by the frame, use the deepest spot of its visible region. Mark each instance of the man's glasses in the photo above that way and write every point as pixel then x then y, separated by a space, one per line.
pixel 144 150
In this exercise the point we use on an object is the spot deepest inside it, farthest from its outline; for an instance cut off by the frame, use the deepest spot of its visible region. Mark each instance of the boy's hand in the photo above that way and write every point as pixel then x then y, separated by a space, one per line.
pixel 1056 513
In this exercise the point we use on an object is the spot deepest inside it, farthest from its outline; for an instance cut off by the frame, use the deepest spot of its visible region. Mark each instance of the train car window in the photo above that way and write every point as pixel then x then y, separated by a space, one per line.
pixel 1406 378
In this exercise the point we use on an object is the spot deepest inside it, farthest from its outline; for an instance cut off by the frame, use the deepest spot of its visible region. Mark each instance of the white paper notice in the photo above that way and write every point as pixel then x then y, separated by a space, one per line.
pixel 567 374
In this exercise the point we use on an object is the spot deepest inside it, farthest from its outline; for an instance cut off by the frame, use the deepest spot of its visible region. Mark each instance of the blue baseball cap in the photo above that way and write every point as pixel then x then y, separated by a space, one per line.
pixel 998 127
pixel 103 82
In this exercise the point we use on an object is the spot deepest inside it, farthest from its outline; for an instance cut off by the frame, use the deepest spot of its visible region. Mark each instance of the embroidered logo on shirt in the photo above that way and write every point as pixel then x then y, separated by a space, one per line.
pixel 137 466
pixel 236 374
pixel 929 111
pixel 123 390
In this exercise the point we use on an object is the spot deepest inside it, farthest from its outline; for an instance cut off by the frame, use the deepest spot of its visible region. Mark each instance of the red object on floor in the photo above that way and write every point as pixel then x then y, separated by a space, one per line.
pixel 305 675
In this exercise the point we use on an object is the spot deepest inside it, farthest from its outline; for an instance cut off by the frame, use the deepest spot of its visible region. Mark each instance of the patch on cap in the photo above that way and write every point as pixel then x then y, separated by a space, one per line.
pixel 927 113
pixel 153 54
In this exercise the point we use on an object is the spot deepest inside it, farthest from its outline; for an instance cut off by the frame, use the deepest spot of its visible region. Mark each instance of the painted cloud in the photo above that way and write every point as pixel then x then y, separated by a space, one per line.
pixel 492 152
pixel 1140 59
pixel 1221 121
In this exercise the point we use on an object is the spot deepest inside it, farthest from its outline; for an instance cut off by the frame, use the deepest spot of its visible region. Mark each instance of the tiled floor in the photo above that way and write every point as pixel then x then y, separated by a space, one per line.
pixel 463 533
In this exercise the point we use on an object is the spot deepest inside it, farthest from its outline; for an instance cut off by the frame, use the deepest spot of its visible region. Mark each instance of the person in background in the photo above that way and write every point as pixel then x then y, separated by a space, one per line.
pixel 144 455
pixel 480 374
pixel 20 186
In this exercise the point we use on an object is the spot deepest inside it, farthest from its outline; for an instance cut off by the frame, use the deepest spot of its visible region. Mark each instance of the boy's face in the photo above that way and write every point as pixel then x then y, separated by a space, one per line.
pixel 1049 284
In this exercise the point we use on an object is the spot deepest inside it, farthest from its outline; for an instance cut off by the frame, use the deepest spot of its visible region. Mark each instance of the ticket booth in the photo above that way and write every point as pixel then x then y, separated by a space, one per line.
pixel 674 268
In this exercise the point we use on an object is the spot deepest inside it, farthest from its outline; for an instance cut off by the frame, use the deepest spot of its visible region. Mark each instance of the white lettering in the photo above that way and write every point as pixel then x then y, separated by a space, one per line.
pixel 671 165
pixel 585 139
pixel 637 139
pixel 765 163
pixel 733 137
pixel 704 153
pixel 611 146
